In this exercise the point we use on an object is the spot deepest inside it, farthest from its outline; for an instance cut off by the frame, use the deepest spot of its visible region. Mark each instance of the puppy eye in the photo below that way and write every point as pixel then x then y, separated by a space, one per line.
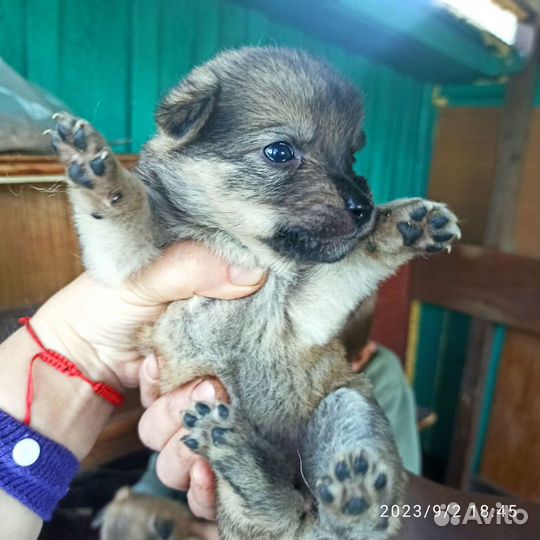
pixel 279 152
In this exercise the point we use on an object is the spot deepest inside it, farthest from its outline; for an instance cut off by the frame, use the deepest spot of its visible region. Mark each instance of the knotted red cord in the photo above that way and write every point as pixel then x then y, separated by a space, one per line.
pixel 63 365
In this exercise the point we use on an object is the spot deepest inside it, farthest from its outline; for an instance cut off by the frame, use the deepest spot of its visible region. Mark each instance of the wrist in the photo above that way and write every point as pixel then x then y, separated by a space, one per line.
pixel 57 333
pixel 63 408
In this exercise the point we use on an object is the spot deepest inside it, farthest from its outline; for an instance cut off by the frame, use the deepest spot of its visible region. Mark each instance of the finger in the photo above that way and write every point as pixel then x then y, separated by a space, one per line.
pixel 202 490
pixel 149 380
pixel 175 461
pixel 165 416
pixel 190 269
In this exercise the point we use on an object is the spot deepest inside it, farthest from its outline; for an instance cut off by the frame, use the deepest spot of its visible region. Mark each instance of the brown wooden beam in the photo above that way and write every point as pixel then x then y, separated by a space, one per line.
pixel 471 397
pixel 485 283
pixel 21 165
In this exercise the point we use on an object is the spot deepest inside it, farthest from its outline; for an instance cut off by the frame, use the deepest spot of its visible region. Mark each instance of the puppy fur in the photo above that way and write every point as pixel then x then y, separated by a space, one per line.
pixel 302 450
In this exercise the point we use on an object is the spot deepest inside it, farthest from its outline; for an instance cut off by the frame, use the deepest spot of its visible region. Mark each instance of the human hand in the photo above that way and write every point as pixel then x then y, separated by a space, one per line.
pixel 95 325
pixel 161 428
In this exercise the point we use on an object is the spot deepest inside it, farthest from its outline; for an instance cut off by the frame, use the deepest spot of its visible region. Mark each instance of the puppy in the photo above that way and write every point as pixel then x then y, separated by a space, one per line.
pixel 135 516
pixel 254 158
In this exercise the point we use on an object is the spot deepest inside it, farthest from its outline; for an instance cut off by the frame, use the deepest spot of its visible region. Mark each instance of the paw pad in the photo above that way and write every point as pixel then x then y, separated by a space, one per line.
pixel 418 214
pixel 355 506
pixel 410 233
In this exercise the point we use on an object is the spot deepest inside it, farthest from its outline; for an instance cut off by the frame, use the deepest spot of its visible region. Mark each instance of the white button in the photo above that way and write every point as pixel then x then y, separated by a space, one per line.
pixel 26 452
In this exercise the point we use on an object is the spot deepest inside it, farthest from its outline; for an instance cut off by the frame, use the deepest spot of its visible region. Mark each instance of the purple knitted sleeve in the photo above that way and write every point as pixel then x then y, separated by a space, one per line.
pixel 33 469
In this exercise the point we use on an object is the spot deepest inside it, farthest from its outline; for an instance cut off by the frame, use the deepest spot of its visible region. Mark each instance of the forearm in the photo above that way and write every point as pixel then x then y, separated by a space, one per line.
pixel 64 409
pixel 95 327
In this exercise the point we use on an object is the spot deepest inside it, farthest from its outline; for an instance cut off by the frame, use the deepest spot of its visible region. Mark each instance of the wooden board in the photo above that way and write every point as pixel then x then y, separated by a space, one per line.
pixel 38 252
pixel 390 321
pixel 512 453
pixel 527 226
pixel 464 165
pixel 485 283
pixel 512 450
pixel 17 165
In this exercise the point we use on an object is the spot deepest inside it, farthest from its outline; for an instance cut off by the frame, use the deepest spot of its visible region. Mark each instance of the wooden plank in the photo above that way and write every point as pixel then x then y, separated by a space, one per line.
pixel 517 115
pixel 458 176
pixel 527 227
pixel 512 452
pixel 485 283
pixel 22 165
pixel 43 19
pixel 144 69
pixel 95 64
pixel 178 34
pixel 38 251
pixel 209 25
pixel 13 34
pixel 471 396
pixel 389 326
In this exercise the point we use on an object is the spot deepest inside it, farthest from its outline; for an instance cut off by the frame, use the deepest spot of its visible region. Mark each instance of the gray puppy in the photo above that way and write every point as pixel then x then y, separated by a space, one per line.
pixel 254 158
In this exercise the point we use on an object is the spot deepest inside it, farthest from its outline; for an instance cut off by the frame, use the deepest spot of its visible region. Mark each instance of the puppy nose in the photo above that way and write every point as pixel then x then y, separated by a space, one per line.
pixel 360 207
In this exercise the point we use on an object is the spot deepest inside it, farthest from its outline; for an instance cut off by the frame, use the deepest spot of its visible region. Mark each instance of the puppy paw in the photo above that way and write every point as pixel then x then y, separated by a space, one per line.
pixel 89 162
pixel 356 490
pixel 428 227
pixel 213 431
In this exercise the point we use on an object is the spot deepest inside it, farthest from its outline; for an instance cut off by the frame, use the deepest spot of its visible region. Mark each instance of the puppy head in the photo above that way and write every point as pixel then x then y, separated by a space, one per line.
pixel 259 142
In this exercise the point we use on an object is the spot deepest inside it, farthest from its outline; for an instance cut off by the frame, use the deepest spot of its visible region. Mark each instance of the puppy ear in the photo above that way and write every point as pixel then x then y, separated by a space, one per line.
pixel 186 109
pixel 360 140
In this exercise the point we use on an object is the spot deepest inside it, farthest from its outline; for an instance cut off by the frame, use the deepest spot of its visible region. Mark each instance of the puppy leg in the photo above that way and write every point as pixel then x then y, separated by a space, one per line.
pixel 257 498
pixel 110 204
pixel 352 463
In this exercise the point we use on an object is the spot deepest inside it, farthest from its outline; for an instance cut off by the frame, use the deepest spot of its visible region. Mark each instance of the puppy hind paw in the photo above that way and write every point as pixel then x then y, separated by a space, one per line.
pixel 356 489
pixel 212 430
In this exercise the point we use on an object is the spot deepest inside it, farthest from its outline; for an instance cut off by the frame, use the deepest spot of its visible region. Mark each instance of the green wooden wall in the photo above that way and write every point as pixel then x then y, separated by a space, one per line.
pixel 111 60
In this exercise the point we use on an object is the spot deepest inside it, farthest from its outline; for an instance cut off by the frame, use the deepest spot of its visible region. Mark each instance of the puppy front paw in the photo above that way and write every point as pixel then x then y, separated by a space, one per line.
pixel 429 227
pixel 414 226
pixel 89 162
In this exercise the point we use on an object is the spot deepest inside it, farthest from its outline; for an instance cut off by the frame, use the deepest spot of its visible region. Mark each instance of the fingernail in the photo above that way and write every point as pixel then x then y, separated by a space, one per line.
pixel 151 367
pixel 204 391
pixel 244 276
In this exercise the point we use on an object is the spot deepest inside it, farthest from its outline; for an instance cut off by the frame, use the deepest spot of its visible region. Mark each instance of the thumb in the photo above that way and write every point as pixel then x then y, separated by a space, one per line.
pixel 190 269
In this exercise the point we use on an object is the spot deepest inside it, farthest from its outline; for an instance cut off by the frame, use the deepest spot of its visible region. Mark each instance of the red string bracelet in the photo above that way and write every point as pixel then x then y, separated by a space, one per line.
pixel 63 365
